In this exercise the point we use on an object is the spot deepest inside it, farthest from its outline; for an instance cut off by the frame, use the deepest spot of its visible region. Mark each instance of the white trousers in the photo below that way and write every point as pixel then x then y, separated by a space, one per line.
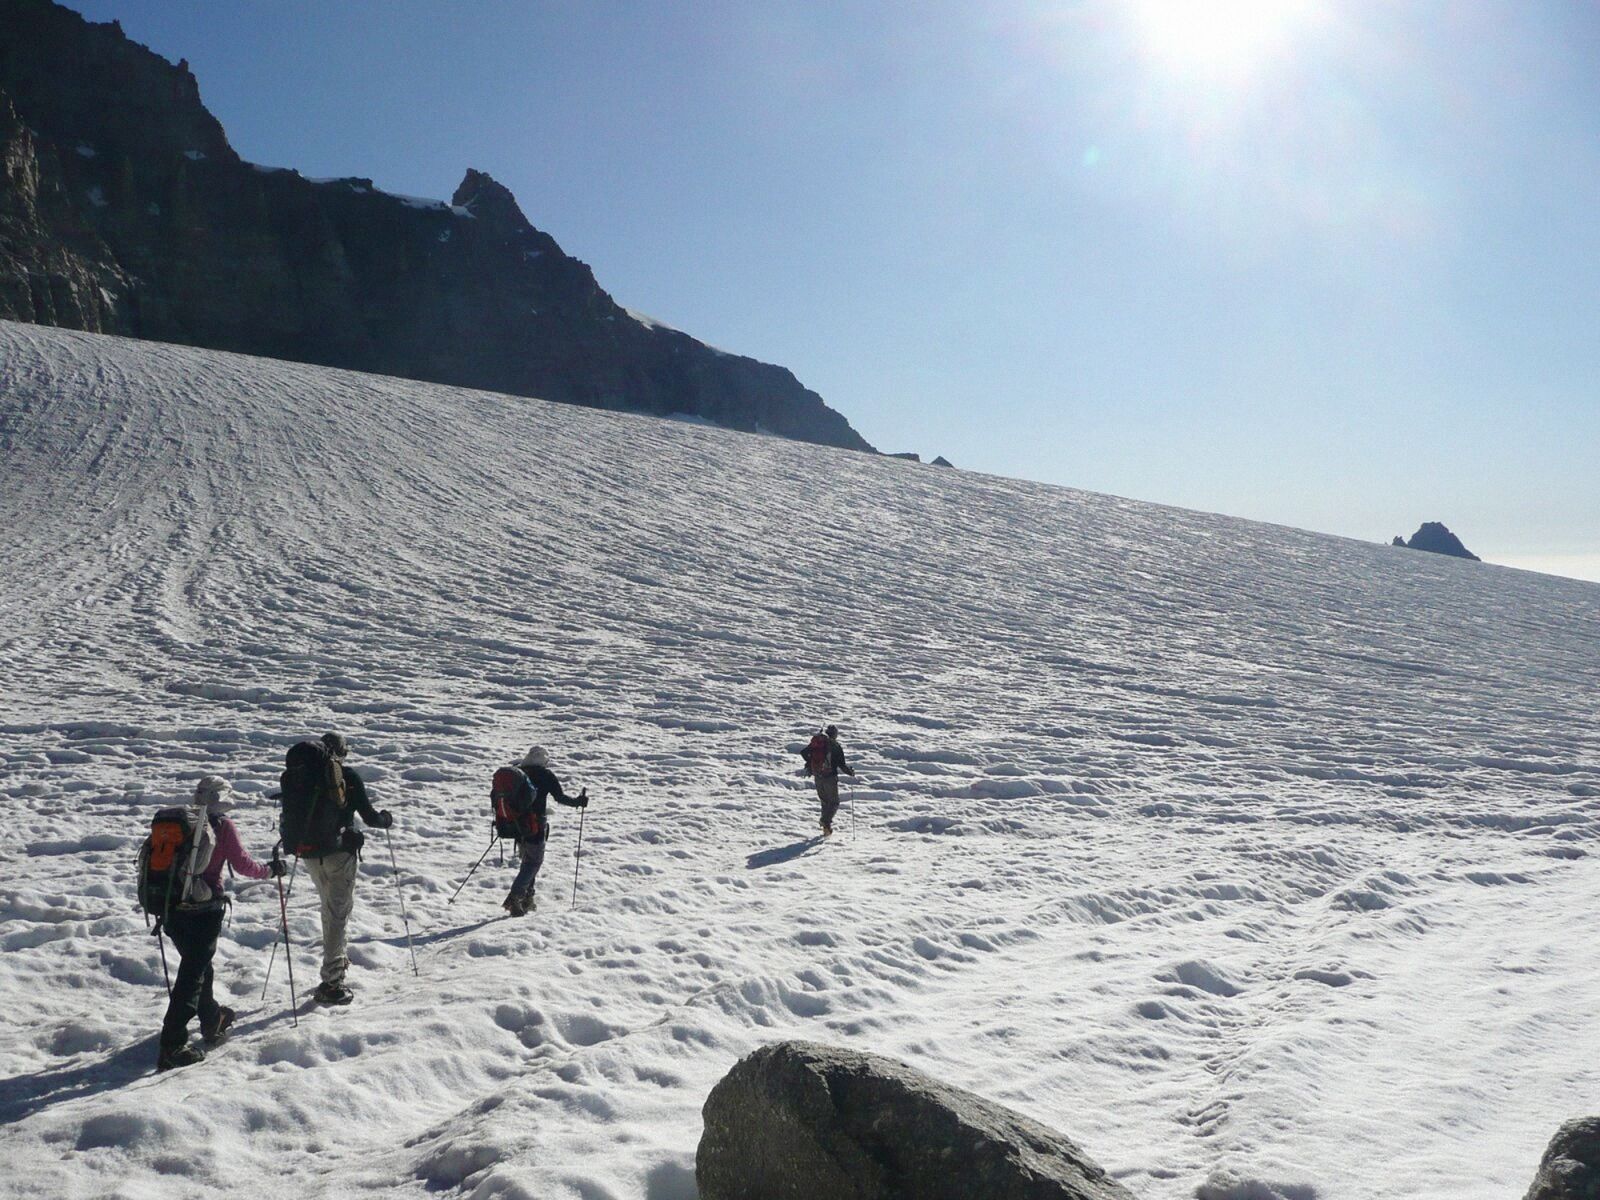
pixel 334 877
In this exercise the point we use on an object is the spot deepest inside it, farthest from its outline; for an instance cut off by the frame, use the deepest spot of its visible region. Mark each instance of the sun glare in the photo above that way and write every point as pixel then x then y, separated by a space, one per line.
pixel 1222 40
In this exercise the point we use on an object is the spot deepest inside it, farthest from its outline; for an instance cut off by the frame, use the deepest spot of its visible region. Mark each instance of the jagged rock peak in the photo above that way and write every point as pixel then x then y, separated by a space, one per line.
pixel 124 210
pixel 488 200
pixel 1434 537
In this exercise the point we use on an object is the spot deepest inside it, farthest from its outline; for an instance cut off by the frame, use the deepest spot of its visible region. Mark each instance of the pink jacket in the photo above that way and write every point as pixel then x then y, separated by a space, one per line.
pixel 230 852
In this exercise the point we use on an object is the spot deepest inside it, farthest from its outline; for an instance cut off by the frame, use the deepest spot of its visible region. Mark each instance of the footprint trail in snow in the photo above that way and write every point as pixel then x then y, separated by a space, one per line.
pixel 1220 846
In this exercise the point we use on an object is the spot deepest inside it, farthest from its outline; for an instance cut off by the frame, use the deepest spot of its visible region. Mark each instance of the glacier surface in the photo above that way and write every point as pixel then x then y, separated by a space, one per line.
pixel 1258 861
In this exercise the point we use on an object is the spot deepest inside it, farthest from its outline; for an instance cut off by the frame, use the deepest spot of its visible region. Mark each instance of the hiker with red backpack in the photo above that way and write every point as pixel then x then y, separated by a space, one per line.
pixel 520 794
pixel 180 884
pixel 824 760
pixel 321 798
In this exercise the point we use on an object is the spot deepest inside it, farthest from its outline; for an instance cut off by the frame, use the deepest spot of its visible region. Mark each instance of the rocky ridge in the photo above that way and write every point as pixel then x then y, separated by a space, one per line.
pixel 123 209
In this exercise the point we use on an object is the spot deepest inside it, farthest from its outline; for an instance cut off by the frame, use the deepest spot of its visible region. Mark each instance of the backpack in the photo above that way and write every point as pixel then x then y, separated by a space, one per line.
pixel 819 754
pixel 514 815
pixel 177 850
pixel 313 799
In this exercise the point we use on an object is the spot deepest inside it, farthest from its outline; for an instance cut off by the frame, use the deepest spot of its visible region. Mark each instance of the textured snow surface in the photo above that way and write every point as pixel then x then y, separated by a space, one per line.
pixel 1259 862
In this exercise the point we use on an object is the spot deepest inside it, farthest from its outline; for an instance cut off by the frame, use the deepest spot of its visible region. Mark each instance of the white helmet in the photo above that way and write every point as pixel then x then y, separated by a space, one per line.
pixel 535 757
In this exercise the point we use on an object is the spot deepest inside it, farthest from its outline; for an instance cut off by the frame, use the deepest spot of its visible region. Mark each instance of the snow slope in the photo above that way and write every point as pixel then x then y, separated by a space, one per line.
pixel 1257 861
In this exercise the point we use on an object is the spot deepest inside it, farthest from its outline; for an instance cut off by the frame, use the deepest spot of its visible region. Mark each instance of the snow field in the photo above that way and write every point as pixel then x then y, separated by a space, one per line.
pixel 1255 860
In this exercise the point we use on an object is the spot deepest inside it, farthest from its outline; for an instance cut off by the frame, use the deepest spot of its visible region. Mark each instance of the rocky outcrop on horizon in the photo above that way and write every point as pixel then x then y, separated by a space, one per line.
pixel 123 209
pixel 1435 538
pixel 798 1120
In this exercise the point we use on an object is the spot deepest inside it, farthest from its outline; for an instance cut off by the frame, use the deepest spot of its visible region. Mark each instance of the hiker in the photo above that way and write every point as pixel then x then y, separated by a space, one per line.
pixel 194 920
pixel 321 799
pixel 824 759
pixel 520 795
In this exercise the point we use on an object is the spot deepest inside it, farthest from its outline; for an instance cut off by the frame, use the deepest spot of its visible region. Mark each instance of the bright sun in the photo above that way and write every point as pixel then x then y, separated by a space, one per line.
pixel 1220 40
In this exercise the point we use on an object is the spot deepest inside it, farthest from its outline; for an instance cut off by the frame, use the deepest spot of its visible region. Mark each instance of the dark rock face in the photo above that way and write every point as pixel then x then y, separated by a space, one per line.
pixel 942 461
pixel 123 209
pixel 798 1120
pixel 1570 1168
pixel 1434 537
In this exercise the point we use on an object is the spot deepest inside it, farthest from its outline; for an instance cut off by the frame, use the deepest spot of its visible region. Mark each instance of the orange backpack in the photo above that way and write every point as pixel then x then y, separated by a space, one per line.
pixel 170 862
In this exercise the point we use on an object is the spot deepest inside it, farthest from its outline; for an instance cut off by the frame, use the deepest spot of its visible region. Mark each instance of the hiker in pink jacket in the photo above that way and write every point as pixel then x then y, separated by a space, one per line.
pixel 195 923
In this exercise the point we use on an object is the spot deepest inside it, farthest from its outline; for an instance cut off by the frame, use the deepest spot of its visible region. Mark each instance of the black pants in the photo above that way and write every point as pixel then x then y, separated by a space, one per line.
pixel 532 851
pixel 194 932
pixel 828 793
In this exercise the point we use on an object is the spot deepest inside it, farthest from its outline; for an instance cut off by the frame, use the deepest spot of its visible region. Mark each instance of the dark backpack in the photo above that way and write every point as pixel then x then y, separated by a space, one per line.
pixel 170 862
pixel 819 754
pixel 313 799
pixel 514 815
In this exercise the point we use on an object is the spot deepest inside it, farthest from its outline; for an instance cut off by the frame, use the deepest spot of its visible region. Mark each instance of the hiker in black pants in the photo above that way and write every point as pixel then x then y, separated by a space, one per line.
pixel 526 804
pixel 194 925
pixel 824 760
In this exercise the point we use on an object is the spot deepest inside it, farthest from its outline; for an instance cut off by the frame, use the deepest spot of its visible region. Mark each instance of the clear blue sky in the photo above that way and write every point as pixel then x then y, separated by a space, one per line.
pixel 1329 263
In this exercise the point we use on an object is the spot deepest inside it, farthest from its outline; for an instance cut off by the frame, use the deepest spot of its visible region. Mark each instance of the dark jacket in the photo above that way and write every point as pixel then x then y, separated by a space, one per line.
pixel 542 784
pixel 355 796
pixel 836 762
pixel 327 828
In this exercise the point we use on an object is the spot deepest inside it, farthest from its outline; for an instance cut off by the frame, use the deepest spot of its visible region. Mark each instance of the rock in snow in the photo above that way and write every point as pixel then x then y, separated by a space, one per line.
pixel 1434 537
pixel 799 1120
pixel 1570 1168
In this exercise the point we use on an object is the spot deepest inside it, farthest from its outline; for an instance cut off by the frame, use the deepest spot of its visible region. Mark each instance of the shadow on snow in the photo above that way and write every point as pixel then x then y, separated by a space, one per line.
pixel 781 854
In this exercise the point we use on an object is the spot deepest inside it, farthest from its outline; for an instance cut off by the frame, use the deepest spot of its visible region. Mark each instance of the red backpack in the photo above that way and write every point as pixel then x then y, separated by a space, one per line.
pixel 507 792
pixel 819 754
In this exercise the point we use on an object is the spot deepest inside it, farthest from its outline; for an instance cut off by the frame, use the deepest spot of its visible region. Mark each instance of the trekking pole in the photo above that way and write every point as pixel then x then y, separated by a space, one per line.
pixel 401 893
pixel 273 958
pixel 288 956
pixel 161 945
pixel 475 866
pixel 582 813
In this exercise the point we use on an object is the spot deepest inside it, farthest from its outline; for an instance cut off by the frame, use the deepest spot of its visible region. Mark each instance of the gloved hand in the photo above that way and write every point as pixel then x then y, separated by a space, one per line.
pixel 583 798
pixel 276 868
pixel 385 819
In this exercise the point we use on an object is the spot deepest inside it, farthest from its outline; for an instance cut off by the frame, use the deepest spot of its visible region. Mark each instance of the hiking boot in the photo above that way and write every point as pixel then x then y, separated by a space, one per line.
pixel 179 1056
pixel 525 906
pixel 218 1033
pixel 332 993
pixel 511 903
pixel 827 831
